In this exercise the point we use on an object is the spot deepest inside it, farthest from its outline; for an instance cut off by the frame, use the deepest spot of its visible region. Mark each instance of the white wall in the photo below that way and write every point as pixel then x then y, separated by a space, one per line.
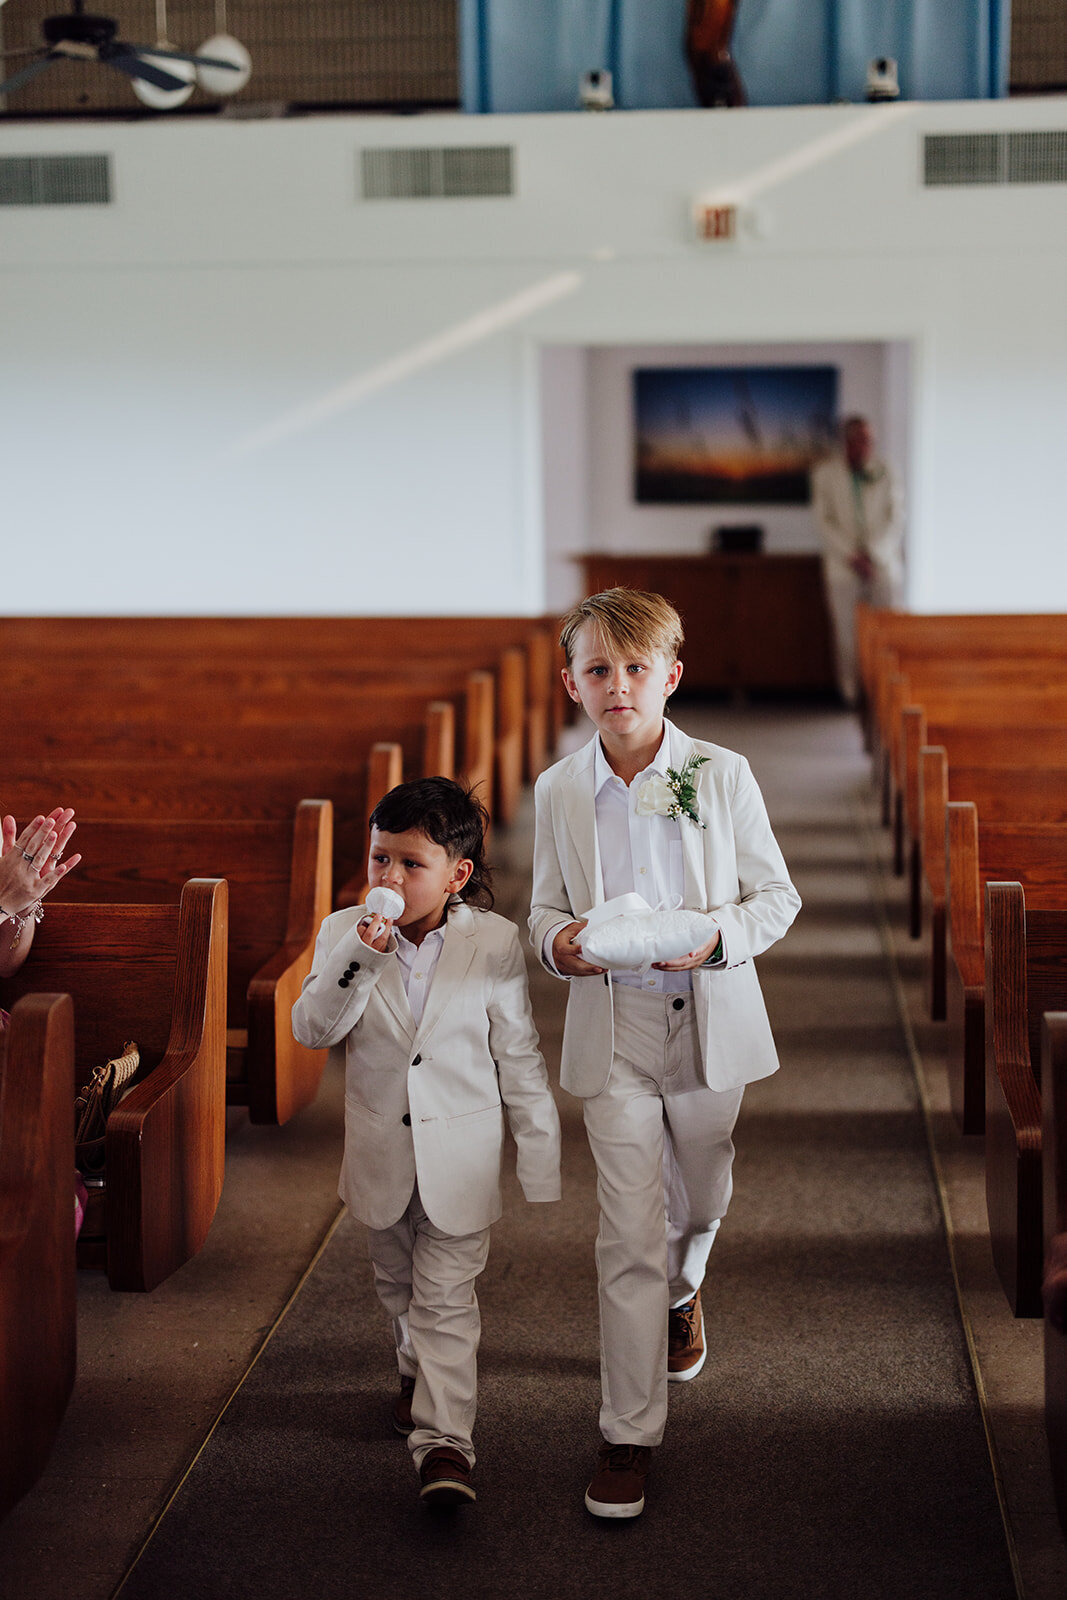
pixel 241 388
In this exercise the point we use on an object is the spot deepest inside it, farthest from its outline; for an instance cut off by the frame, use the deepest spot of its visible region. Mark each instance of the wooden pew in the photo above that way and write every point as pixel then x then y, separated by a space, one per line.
pixel 279 874
pixel 1003 699
pixel 324 666
pixel 1026 975
pixel 155 974
pixel 1054 1164
pixel 1004 796
pixel 176 736
pixel 174 787
pixel 37 1284
pixel 953 634
pixel 978 853
pixel 476 642
pixel 989 744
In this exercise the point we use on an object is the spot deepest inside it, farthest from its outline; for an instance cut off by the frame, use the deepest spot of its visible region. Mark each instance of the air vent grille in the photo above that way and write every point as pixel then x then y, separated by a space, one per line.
pixel 976 158
pixel 55 180
pixel 453 172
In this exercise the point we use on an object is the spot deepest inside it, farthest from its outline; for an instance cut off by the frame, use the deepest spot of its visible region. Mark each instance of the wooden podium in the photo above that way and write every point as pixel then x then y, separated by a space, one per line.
pixel 752 622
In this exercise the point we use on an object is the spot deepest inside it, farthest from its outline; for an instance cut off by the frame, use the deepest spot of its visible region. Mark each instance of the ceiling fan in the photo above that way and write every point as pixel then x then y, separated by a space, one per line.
pixel 83 37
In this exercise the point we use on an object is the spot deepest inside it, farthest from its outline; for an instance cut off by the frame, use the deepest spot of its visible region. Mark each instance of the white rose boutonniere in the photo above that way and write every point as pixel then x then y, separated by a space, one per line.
pixel 672 796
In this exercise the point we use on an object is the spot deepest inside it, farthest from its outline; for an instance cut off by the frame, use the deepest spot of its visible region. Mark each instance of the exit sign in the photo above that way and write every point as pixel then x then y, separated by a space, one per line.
pixel 716 222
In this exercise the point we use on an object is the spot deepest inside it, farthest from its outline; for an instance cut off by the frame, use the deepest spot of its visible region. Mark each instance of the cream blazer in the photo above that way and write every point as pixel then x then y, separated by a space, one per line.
pixel 429 1102
pixel 834 507
pixel 734 871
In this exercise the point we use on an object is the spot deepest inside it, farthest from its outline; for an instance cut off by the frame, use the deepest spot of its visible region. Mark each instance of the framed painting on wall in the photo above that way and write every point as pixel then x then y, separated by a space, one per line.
pixel 730 435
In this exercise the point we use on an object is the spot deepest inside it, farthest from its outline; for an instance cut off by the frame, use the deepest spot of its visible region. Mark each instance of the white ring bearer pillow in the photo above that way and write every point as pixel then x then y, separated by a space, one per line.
pixel 629 934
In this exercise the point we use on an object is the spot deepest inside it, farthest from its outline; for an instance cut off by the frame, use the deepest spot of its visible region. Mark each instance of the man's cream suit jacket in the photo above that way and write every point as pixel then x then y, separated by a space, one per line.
pixel 734 871
pixel 429 1101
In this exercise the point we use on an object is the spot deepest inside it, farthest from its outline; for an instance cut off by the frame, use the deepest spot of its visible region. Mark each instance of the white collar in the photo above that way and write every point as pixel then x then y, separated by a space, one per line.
pixel 602 772
pixel 436 934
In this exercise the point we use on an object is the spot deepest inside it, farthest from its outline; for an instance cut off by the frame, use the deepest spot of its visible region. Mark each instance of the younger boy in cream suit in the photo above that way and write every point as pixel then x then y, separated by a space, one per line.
pixel 434 1014
pixel 659 1058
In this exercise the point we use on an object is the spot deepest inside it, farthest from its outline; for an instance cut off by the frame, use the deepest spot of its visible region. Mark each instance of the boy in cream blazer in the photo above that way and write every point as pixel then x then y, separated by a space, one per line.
pixel 434 1016
pixel 659 1058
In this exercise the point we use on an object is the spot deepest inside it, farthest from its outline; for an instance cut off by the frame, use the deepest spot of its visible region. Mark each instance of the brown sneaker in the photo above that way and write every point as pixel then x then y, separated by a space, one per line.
pixel 401 1411
pixel 686 1349
pixel 445 1476
pixel 617 1487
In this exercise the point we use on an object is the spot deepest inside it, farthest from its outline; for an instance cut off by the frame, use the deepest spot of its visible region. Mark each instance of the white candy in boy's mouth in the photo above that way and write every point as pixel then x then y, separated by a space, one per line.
pixel 386 902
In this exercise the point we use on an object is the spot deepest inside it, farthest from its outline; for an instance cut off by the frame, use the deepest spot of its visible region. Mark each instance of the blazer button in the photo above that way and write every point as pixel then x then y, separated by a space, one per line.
pixel 353 967
pixel 406 1119
pixel 678 1004
pixel 342 983
pixel 417 1061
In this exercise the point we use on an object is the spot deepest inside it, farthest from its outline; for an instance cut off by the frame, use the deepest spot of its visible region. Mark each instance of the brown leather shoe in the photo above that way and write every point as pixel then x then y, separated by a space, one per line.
pixel 445 1476
pixel 401 1412
pixel 617 1487
pixel 686 1349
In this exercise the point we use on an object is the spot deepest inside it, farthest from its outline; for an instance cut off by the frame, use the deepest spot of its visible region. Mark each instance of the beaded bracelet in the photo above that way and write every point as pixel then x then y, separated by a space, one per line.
pixel 20 919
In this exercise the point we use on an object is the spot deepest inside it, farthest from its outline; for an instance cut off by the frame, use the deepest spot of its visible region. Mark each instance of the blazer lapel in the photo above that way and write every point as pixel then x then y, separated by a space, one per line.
pixel 457 953
pixel 391 990
pixel 579 808
pixel 693 838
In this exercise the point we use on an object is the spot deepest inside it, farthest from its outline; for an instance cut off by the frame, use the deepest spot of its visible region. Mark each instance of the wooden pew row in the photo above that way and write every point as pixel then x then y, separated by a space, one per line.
pixel 340 724
pixel 1054 1165
pixel 989 744
pixel 226 651
pixel 474 639
pixel 155 974
pixel 954 633
pixel 1004 794
pixel 245 776
pixel 1027 699
pixel 175 788
pixel 279 875
pixel 1026 975
pixel 38 1327
pixel 979 853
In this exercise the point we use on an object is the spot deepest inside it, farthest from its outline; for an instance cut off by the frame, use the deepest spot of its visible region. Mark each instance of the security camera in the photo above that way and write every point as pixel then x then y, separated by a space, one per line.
pixel 882 79
pixel 595 92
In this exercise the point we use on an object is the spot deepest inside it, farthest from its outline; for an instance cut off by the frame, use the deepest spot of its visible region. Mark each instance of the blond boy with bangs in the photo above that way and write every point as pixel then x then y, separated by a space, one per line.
pixel 659 1058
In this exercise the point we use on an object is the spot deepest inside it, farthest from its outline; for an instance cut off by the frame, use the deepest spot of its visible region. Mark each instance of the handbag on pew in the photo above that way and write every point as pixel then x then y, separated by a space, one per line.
pixel 95 1102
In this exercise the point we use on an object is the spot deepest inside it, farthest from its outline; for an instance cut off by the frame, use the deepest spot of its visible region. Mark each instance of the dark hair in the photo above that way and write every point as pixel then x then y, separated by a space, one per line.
pixel 449 814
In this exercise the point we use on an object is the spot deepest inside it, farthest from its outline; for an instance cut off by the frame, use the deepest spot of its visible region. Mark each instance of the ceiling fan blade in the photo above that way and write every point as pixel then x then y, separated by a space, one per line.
pixel 27 73
pixel 125 60
pixel 179 55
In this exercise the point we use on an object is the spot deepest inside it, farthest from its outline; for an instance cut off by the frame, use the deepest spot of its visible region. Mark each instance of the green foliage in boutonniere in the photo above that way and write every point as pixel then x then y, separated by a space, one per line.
pixel 672 796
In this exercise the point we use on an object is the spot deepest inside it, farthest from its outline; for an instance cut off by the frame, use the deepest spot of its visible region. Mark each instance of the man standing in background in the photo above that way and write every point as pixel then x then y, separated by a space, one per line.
pixel 859 516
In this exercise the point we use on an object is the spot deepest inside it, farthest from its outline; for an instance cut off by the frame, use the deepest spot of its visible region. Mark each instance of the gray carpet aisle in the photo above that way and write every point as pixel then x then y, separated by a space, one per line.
pixel 832 1447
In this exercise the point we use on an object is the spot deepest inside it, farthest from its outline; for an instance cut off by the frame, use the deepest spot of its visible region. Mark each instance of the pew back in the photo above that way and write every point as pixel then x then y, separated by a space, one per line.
pixel 155 974
pixel 37 1284
pixel 1054 1162
pixel 1025 975
pixel 279 874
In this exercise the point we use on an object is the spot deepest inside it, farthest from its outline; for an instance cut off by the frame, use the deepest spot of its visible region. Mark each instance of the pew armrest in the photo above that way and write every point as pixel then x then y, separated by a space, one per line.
pixel 1013 1105
pixel 166 1139
pixel 37 1281
pixel 963 892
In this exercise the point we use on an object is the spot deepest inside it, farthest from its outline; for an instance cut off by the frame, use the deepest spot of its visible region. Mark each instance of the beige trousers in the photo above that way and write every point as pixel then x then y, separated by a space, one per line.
pixel 425 1280
pixel 661 1140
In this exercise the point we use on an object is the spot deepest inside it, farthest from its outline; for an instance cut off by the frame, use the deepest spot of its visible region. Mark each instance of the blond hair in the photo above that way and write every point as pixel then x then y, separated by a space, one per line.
pixel 628 622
